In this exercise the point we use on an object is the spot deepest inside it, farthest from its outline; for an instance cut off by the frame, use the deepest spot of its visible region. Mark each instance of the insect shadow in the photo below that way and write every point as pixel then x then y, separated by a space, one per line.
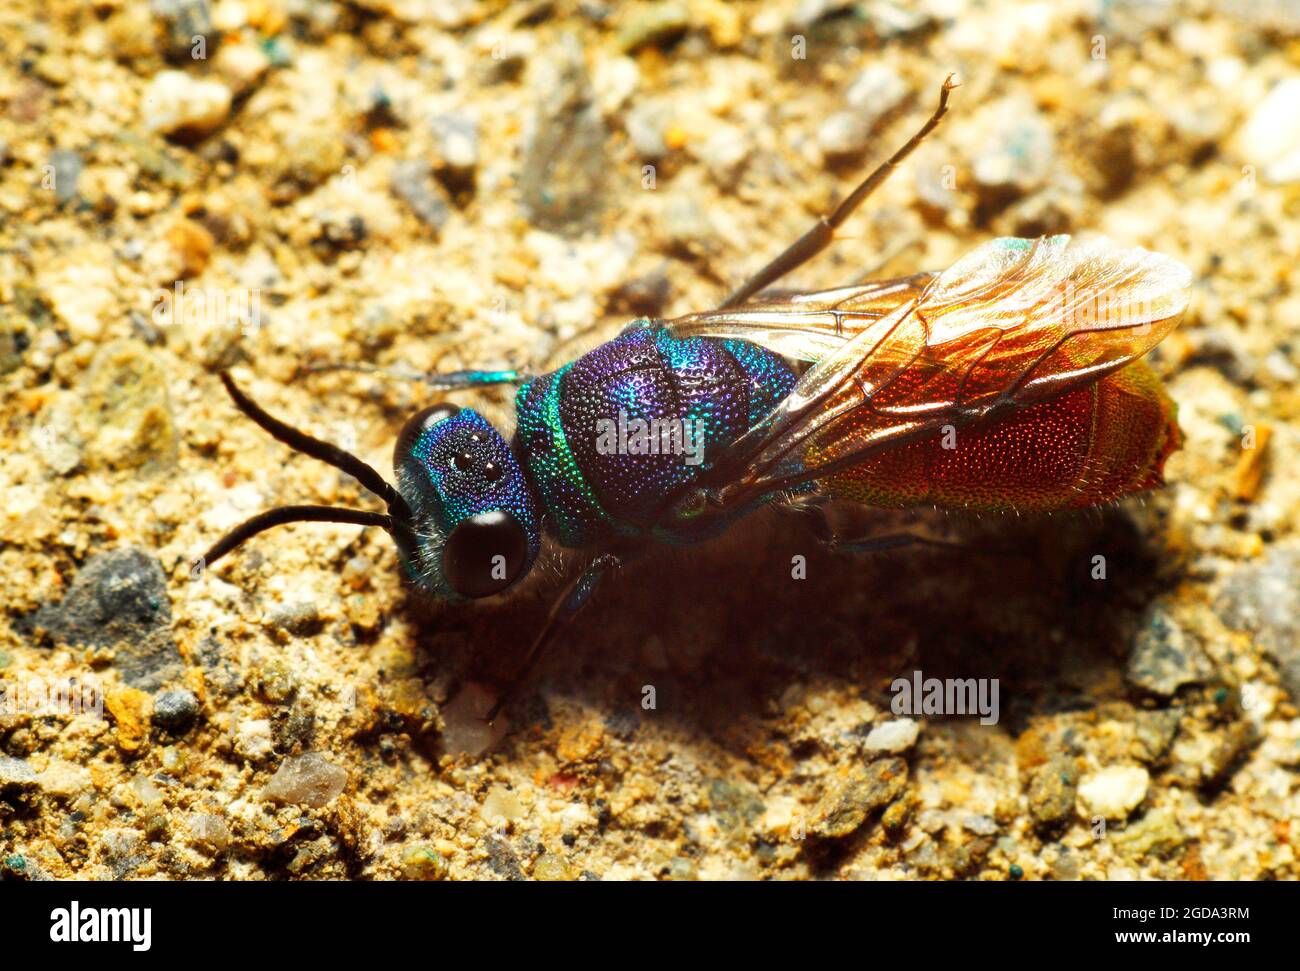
pixel 684 649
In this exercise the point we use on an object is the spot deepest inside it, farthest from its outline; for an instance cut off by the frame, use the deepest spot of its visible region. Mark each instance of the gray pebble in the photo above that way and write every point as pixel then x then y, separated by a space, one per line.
pixel 502 860
pixel 67 166
pixel 874 93
pixel 1165 654
pixel 119 599
pixel 306 780
pixel 1264 599
pixel 175 711
pixel 566 163
pixel 16 774
pixel 412 182
pixel 1018 157
pixel 646 120
pixel 183 20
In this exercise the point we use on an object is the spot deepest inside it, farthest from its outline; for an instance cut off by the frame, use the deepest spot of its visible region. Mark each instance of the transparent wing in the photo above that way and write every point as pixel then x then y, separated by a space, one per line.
pixel 1014 322
pixel 805 326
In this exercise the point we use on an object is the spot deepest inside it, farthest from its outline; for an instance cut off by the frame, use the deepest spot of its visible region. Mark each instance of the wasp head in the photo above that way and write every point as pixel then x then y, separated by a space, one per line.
pixel 473 529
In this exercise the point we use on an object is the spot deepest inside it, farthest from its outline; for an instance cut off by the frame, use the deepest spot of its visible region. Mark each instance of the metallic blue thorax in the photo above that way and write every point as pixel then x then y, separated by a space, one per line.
pixel 608 439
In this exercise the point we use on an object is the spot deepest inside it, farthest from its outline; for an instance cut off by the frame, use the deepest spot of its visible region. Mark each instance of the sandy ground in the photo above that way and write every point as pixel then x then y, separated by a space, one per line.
pixel 438 184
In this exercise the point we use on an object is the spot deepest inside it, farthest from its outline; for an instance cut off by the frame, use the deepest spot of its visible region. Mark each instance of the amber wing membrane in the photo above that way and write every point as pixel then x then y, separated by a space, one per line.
pixel 1014 323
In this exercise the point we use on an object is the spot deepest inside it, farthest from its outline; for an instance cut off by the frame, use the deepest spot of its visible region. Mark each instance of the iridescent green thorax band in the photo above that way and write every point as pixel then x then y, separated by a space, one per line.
pixel 576 515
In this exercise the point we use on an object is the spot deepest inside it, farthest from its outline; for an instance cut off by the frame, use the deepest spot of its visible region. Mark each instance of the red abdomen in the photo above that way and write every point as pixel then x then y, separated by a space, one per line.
pixel 1084 448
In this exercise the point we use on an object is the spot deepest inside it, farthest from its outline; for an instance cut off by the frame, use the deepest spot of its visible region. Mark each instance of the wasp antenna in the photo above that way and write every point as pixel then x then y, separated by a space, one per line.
pixel 300 441
pixel 292 514
pixel 822 233
pixel 447 381
pixel 400 373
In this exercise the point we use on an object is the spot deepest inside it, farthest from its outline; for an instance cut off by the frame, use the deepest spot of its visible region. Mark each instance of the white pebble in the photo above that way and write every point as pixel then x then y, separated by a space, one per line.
pixel 1115 791
pixel 501 807
pixel 1270 139
pixel 176 102
pixel 893 736
pixel 253 738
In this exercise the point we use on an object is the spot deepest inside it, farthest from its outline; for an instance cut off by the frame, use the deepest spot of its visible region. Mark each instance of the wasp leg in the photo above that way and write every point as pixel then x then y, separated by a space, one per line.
pixel 822 233
pixel 574 597
pixel 889 541
pixel 811 510
pixel 447 381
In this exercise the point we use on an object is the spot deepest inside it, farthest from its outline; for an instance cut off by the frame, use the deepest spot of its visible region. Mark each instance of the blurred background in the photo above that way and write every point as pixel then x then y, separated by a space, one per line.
pixel 430 185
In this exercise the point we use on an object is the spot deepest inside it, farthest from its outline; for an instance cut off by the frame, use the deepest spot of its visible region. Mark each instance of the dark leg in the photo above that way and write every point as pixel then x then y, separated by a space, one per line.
pixel 812 511
pixel 574 597
pixel 890 541
pixel 292 514
pixel 819 237
pixel 449 381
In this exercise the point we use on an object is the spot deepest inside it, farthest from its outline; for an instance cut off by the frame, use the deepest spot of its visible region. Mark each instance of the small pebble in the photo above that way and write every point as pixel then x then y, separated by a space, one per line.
pixel 1264 598
pixel 980 825
pixel 1270 139
pixel 551 867
pixel 566 163
pixel 66 169
pixel 253 739
pixel 241 65
pixel 175 711
pixel 306 780
pixel 1165 655
pixel 464 730
pixel 119 599
pixel 64 779
pixel 455 135
pixel 412 182
pixel 423 863
pixel 875 93
pixel 846 806
pixel 1052 790
pixel 894 736
pixel 501 807
pixel 649 24
pixel 646 121
pixel 1019 151
pixel 16 774
pixel 183 21
pixel 177 104
pixel 1114 791
pixel 125 416
pixel 209 831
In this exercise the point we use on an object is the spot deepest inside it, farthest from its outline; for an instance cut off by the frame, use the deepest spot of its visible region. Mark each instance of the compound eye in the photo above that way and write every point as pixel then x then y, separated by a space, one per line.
pixel 415 427
pixel 485 554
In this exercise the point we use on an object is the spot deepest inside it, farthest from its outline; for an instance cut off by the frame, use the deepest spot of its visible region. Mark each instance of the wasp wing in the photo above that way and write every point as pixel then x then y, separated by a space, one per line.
pixel 805 326
pixel 1014 322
